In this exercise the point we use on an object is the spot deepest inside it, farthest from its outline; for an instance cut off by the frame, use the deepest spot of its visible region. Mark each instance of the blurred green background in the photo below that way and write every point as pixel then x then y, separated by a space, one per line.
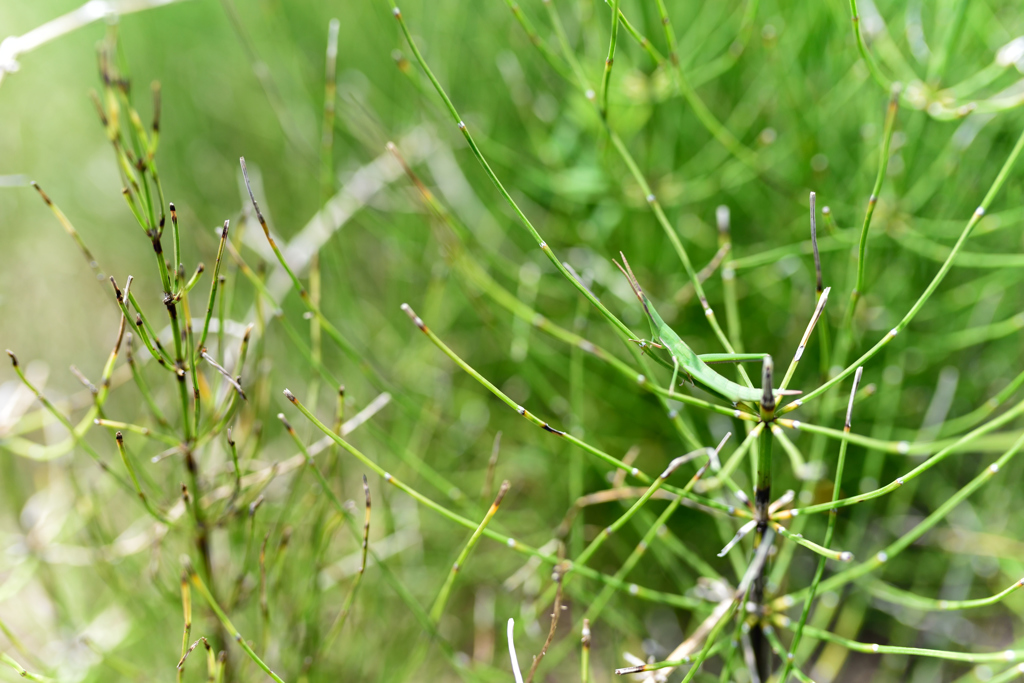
pixel 247 79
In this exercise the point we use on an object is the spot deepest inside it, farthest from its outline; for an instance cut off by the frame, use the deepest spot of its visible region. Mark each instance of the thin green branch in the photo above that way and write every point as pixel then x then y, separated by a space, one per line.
pixel 197 581
pixel 976 217
pixel 606 78
pixel 829 531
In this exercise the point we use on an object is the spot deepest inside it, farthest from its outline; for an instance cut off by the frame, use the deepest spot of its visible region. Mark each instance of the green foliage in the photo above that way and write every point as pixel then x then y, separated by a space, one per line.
pixel 483 167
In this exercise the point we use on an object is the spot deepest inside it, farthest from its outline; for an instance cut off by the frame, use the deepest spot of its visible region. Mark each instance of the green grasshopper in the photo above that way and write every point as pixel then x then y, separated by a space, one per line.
pixel 683 357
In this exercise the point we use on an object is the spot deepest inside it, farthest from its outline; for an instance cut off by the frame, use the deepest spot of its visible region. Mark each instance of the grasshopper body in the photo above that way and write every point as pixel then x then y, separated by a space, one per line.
pixel 688 361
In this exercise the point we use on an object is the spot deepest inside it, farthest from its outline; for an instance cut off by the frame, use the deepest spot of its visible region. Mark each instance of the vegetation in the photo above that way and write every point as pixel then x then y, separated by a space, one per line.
pixel 409 416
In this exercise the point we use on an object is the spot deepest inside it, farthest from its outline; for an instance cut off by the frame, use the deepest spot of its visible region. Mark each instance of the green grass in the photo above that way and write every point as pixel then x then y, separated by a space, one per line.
pixel 480 168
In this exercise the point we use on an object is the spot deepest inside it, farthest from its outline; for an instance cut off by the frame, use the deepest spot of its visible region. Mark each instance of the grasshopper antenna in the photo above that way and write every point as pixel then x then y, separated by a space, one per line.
pixel 633 283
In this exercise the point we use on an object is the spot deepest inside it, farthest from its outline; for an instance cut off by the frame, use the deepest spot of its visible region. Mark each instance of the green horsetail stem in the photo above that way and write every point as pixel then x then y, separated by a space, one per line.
pixel 200 585
pixel 829 531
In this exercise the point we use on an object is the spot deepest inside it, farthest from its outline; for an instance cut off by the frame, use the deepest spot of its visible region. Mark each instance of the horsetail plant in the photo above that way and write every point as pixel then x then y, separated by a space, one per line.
pixel 634 506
